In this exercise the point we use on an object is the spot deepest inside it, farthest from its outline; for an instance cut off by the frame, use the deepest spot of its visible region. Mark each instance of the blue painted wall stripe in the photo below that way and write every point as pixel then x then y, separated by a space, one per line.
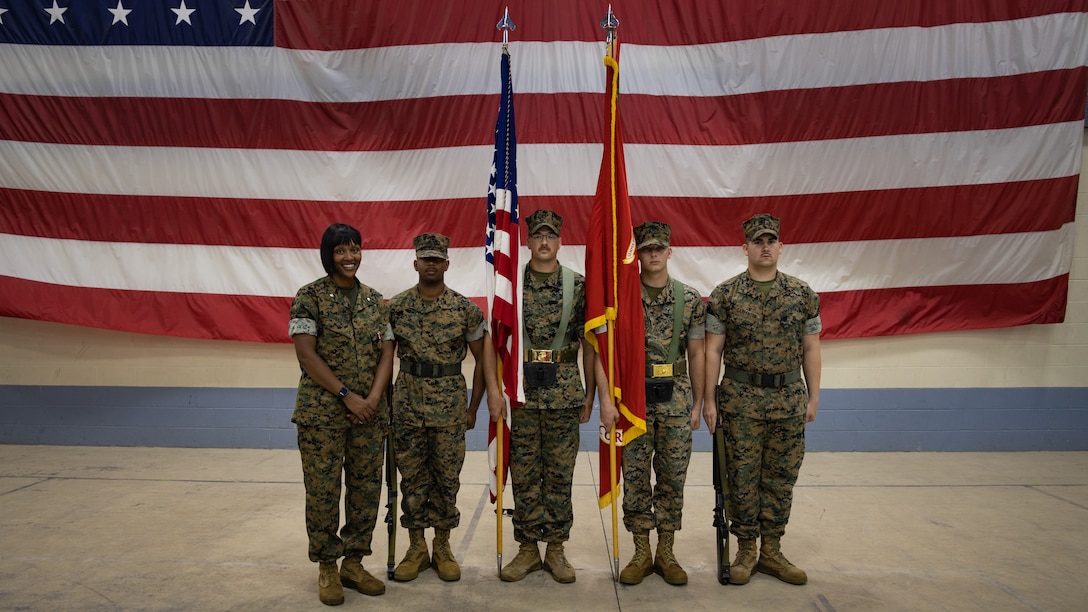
pixel 1020 419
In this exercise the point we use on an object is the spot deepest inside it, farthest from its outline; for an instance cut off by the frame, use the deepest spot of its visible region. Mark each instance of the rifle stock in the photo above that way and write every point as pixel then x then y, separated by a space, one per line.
pixel 721 508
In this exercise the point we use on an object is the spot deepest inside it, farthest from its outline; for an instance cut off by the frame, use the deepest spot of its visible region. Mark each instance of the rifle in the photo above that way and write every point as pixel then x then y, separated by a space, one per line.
pixel 391 484
pixel 721 508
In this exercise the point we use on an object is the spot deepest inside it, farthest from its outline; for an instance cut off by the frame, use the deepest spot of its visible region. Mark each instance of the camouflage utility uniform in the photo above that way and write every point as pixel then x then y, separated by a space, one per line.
pixel 544 432
pixel 429 411
pixel 667 441
pixel 349 338
pixel 764 426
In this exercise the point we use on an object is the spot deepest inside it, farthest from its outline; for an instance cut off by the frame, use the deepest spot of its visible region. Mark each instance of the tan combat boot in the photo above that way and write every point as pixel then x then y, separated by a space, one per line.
pixel 665 562
pixel 354 576
pixel 741 570
pixel 415 560
pixel 329 589
pixel 527 560
pixel 444 562
pixel 555 561
pixel 641 564
pixel 774 563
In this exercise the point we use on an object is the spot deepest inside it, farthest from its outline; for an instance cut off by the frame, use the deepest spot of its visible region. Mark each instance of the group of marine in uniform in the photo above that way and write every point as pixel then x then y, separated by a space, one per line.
pixel 746 360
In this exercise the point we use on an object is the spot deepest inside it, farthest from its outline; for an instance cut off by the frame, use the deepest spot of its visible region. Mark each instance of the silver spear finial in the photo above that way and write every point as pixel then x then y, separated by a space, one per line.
pixel 610 23
pixel 507 26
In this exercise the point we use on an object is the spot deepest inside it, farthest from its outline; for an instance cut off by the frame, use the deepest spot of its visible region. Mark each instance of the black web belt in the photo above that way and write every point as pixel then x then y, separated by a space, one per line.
pixel 757 379
pixel 429 370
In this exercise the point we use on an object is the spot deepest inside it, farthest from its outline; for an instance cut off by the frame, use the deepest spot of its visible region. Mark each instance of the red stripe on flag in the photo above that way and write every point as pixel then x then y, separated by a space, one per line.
pixel 236 222
pixel 876 109
pixel 889 312
pixel 209 316
pixel 247 318
pixel 856 111
pixel 962 210
pixel 350 24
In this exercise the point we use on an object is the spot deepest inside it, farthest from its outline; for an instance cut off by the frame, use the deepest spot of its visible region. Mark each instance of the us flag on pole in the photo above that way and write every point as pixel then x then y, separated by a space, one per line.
pixel 502 244
pixel 614 315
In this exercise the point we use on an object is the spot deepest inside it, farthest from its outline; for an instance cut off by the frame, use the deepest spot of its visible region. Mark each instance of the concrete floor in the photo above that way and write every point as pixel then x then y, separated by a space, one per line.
pixel 92 528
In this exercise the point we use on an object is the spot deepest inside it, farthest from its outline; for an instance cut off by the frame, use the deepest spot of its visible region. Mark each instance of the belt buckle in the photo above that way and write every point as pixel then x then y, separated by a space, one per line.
pixel 426 370
pixel 541 355
pixel 662 370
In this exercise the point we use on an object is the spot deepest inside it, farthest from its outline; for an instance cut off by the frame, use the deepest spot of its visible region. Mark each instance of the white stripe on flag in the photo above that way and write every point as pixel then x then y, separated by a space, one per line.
pixel 826 166
pixel 826 266
pixel 453 69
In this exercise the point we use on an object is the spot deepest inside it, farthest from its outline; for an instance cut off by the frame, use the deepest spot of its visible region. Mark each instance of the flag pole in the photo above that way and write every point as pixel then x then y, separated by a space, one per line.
pixel 505 25
pixel 610 23
pixel 499 469
pixel 612 471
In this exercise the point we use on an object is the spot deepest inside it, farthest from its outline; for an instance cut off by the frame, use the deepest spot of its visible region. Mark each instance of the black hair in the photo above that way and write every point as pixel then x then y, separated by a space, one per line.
pixel 334 236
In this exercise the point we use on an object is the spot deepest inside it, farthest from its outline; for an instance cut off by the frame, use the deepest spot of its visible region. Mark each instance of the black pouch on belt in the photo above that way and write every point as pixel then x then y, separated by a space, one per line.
pixel 659 391
pixel 540 374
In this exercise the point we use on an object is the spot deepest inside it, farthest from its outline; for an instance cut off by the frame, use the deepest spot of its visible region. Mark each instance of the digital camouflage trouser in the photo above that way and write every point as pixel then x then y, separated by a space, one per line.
pixel 543 450
pixel 667 444
pixel 429 460
pixel 356 451
pixel 764 459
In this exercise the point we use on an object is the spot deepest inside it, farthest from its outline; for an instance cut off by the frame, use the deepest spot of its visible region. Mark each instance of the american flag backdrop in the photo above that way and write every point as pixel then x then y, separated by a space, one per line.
pixel 168 166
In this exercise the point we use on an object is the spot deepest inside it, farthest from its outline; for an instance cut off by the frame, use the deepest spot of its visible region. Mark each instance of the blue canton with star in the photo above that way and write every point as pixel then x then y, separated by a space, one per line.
pixel 216 23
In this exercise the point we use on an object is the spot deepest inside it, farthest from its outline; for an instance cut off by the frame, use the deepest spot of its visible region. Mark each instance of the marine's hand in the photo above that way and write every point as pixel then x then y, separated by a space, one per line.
pixel 610 416
pixel 587 409
pixel 810 409
pixel 360 409
pixel 710 416
pixel 496 407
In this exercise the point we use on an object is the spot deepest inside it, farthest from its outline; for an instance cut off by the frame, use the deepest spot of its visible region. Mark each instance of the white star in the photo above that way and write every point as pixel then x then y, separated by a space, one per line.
pixel 2 11
pixel 120 13
pixel 183 14
pixel 248 14
pixel 56 13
